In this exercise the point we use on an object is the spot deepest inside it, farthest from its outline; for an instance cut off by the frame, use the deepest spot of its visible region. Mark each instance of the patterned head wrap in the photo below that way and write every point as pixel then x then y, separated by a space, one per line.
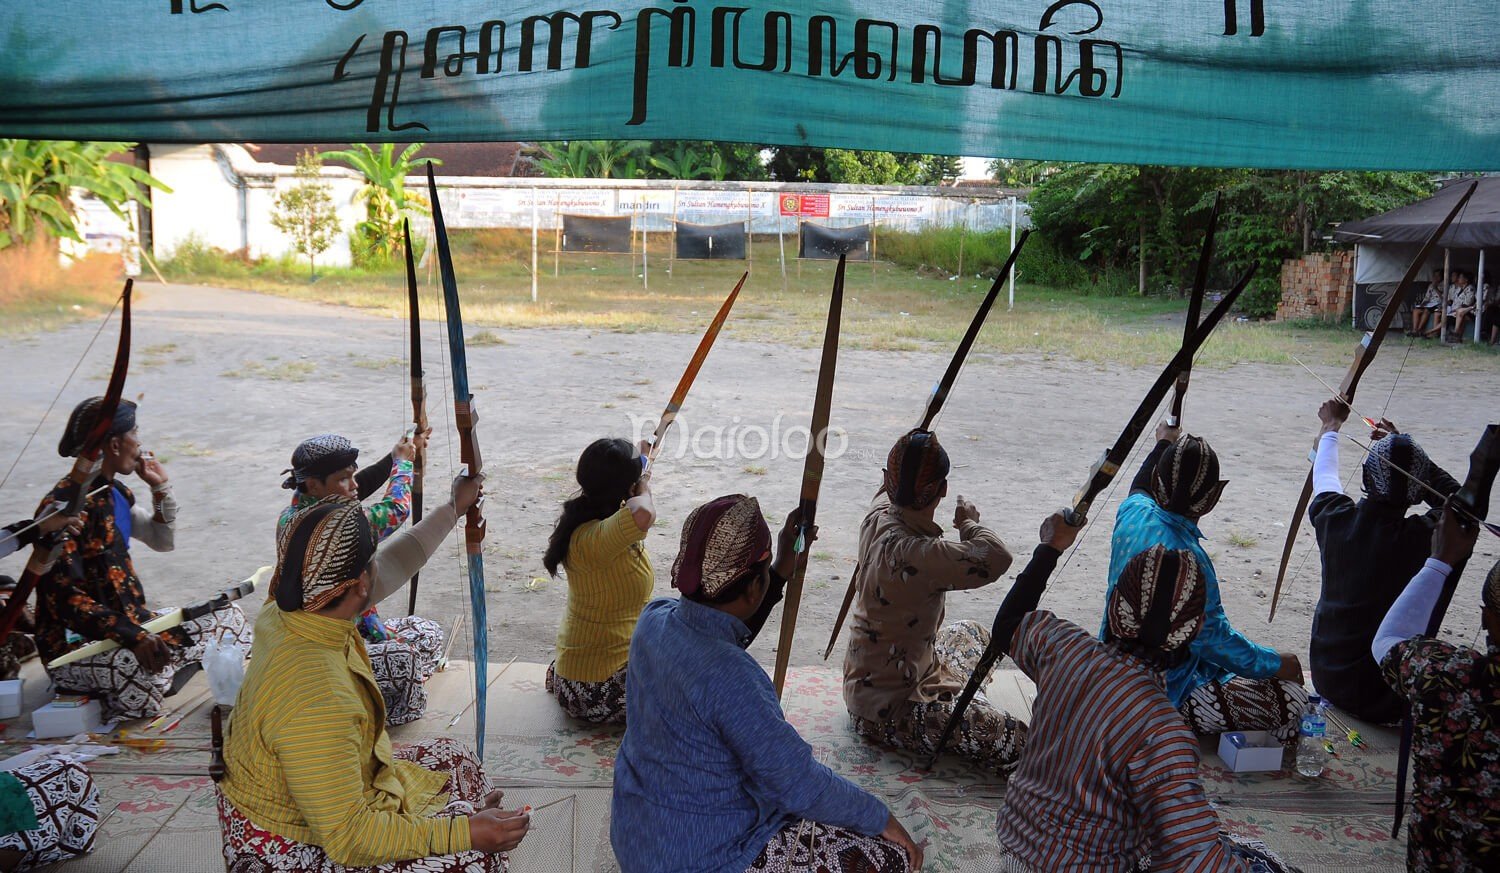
pixel 82 421
pixel 321 552
pixel 722 540
pixel 916 469
pixel 319 456
pixel 1186 480
pixel 1491 596
pixel 1385 484
pixel 1158 602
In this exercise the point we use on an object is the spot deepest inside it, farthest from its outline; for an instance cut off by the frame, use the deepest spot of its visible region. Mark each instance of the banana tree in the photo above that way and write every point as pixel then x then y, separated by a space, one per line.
pixel 384 193
pixel 37 178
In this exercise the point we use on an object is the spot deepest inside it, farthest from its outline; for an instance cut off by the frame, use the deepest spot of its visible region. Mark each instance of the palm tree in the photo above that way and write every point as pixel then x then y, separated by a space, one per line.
pixel 386 199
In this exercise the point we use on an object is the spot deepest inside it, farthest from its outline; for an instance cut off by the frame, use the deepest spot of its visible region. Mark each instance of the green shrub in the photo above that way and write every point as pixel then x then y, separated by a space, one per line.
pixel 194 257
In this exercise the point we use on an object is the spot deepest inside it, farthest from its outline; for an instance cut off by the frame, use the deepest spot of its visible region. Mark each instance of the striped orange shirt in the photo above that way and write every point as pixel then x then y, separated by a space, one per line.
pixel 1111 769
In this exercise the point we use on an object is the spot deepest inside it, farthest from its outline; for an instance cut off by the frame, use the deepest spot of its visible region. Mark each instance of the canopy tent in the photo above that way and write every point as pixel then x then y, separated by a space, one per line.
pixel 1386 244
pixel 1378 84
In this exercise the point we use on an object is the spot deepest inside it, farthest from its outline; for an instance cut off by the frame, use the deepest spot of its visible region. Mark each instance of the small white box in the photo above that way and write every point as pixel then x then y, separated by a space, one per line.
pixel 1250 751
pixel 10 697
pixel 66 721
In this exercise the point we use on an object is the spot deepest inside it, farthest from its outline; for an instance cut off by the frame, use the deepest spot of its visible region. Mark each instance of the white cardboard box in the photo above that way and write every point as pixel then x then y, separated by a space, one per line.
pixel 66 721
pixel 10 697
pixel 1250 751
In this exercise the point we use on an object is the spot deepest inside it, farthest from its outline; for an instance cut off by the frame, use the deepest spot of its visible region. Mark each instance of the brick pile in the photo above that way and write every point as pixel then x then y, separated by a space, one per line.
pixel 1319 285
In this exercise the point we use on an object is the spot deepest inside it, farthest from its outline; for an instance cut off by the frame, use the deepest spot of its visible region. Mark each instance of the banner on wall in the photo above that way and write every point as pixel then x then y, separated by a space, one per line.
pixel 1378 84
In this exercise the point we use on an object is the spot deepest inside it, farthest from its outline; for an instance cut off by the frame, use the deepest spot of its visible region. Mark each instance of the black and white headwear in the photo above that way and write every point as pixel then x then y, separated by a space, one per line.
pixel 1385 483
pixel 1491 595
pixel 1186 480
pixel 319 456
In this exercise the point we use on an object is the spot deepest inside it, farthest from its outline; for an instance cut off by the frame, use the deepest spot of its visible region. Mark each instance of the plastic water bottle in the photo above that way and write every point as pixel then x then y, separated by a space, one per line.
pixel 1311 756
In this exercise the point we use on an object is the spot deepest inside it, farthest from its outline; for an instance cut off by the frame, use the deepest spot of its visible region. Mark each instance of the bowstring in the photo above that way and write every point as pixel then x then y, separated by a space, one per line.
pixel 58 396
pixel 429 255
pixel 1108 497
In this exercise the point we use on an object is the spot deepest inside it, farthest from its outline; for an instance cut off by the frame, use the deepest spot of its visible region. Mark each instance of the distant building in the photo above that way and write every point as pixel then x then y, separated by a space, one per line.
pixel 223 194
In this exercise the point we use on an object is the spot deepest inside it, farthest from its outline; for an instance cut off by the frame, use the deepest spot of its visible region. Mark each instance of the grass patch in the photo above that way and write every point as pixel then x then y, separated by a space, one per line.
pixel 37 293
pixel 291 371
pixel 889 305
pixel 1242 541
pixel 487 338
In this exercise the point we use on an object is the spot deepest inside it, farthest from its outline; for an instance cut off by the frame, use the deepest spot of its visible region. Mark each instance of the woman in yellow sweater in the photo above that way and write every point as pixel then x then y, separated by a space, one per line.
pixel 600 540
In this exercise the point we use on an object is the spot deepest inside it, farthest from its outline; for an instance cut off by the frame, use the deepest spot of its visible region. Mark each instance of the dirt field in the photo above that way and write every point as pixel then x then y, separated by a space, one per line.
pixel 233 380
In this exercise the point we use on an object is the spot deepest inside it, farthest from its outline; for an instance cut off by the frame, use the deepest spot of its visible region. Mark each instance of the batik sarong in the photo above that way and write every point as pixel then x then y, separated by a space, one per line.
pixel 986 735
pixel 1246 705
pixel 403 664
pixel 67 813
pixel 810 847
pixel 125 689
pixel 596 702
pixel 249 849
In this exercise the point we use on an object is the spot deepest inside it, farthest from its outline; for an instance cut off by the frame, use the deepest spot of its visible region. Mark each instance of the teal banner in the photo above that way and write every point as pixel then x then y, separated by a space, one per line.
pixel 1359 84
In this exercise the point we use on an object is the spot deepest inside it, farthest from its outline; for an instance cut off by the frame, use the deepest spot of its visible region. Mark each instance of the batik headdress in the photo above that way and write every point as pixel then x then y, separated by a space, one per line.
pixel 1186 479
pixel 1158 602
pixel 722 540
pixel 916 469
pixel 318 457
pixel 1385 483
pixel 321 552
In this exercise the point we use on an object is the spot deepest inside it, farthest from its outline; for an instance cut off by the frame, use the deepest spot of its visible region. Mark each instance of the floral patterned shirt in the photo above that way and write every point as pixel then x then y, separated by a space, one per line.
pixel 93 590
pixel 386 515
pixel 1455 698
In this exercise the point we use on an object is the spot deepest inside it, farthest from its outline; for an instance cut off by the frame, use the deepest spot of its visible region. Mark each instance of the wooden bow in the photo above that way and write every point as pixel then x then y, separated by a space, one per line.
pixel 465 419
pixel 1102 473
pixel 937 399
pixel 812 473
pixel 1364 355
pixel 674 405
pixel 1195 307
pixel 418 396
pixel 83 475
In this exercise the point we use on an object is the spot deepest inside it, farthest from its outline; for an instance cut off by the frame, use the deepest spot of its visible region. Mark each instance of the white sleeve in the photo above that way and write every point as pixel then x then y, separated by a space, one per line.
pixel 1409 615
pixel 160 536
pixel 406 552
pixel 1326 465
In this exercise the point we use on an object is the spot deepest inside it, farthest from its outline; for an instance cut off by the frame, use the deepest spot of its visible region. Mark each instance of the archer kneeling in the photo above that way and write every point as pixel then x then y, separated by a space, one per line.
pixel 312 781
pixel 92 591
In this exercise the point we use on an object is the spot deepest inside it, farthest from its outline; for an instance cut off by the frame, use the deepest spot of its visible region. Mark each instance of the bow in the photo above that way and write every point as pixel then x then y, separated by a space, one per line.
pixel 938 398
pixel 1364 355
pixel 174 618
pixel 1195 306
pixel 674 405
pixel 464 418
pixel 85 472
pixel 812 473
pixel 418 396
pixel 1472 500
pixel 1102 473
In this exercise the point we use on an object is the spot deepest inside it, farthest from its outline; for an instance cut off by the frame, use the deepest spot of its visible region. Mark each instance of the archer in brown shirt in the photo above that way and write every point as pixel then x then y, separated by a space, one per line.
pixel 904 669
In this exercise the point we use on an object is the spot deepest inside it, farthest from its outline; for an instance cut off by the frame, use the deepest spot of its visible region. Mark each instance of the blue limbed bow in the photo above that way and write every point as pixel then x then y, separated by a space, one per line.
pixel 464 418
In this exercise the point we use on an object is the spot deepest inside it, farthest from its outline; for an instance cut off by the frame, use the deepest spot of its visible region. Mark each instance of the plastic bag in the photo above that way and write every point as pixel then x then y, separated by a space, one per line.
pixel 224 662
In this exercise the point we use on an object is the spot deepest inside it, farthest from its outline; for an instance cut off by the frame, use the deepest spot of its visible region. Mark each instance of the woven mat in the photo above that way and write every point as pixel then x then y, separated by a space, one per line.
pixel 159 814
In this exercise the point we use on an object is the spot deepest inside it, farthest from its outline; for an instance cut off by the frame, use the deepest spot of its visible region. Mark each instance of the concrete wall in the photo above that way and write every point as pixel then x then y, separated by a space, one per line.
pixel 224 198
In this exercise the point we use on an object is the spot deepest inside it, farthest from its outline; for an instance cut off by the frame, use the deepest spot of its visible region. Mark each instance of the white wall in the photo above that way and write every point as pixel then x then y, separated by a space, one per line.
pixel 225 198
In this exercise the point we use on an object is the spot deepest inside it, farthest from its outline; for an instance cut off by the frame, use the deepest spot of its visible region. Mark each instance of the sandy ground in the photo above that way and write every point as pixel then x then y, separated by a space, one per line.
pixel 233 380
